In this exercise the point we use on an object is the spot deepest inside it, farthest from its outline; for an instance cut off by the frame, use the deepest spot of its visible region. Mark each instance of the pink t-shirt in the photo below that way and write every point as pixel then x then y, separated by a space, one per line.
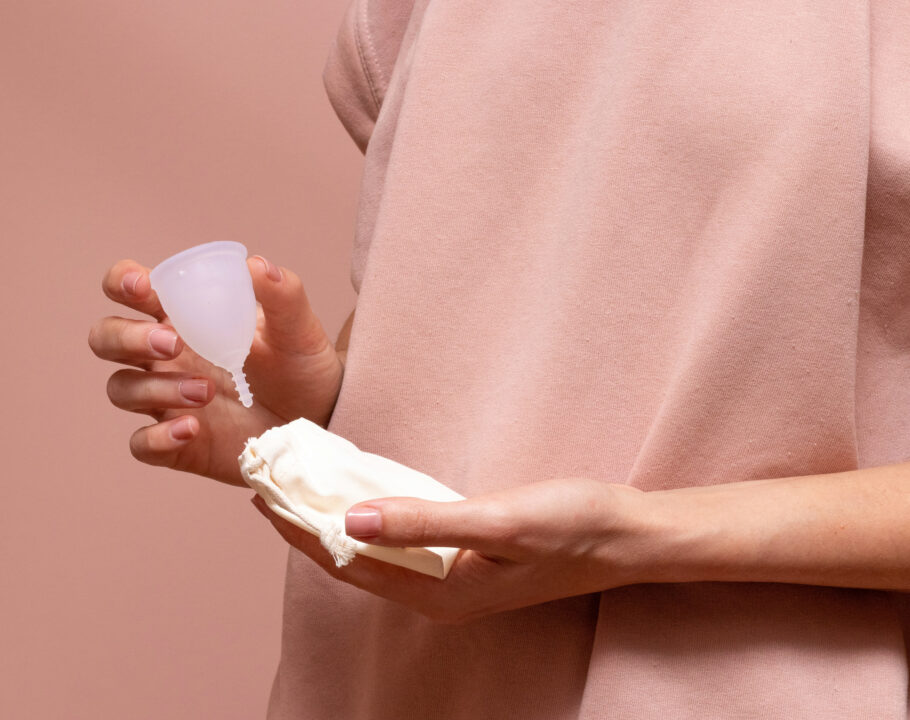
pixel 664 244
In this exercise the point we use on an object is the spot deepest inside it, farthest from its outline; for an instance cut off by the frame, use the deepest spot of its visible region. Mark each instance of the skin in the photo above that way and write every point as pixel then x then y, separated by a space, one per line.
pixel 293 367
pixel 522 546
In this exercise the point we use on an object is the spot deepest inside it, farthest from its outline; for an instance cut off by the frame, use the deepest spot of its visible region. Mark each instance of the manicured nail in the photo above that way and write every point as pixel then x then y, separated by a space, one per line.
pixel 363 523
pixel 271 270
pixel 182 429
pixel 129 282
pixel 163 342
pixel 195 390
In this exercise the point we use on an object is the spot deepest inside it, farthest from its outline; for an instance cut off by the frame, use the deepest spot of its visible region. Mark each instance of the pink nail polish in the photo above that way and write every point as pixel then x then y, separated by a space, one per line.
pixel 129 282
pixel 363 523
pixel 182 429
pixel 163 342
pixel 271 270
pixel 194 390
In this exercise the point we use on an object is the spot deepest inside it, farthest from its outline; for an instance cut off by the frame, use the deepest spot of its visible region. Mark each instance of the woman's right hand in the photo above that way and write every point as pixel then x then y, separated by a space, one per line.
pixel 293 371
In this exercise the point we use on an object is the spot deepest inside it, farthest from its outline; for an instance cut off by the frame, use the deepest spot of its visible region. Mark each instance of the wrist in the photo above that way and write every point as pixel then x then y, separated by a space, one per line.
pixel 678 533
pixel 643 541
pixel 672 536
pixel 720 533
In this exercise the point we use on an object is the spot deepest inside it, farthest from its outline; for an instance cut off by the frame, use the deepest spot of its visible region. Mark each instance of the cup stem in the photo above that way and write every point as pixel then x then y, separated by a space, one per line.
pixel 243 389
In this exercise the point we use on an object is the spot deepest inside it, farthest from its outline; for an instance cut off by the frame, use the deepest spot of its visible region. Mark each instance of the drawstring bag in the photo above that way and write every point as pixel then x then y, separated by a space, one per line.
pixel 310 477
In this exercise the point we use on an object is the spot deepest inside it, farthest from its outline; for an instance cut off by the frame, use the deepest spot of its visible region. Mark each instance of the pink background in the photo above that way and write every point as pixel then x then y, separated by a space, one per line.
pixel 136 130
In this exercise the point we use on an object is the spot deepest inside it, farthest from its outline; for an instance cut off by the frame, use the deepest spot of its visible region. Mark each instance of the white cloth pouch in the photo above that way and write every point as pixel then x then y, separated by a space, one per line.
pixel 310 477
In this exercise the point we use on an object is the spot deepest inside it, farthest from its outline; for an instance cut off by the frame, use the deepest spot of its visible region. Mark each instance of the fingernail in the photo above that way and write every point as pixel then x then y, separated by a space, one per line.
pixel 129 282
pixel 271 270
pixel 363 523
pixel 182 429
pixel 195 390
pixel 163 341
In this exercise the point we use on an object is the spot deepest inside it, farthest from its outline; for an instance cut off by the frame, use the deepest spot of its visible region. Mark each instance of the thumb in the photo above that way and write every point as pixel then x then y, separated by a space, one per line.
pixel 290 323
pixel 409 522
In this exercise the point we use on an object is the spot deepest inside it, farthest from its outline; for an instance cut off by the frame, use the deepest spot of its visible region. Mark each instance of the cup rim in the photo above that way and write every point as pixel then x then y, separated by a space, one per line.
pixel 203 249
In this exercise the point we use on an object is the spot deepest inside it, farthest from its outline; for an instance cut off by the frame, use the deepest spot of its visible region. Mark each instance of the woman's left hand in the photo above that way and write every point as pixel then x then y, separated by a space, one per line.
pixel 522 546
pixel 567 537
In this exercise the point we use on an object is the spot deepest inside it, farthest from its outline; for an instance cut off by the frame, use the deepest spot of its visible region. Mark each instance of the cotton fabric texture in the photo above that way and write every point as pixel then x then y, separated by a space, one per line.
pixel 662 244
pixel 310 477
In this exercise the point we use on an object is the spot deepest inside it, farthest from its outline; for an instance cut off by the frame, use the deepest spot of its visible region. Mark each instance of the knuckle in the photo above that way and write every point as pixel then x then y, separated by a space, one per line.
pixel 121 329
pixel 422 522
pixel 144 393
pixel 113 388
pixel 146 445
pixel 121 389
pixel 103 337
pixel 108 336
pixel 110 283
pixel 93 335
pixel 500 521
pixel 138 445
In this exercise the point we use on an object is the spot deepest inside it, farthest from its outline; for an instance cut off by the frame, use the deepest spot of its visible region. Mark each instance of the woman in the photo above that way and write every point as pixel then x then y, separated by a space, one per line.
pixel 632 277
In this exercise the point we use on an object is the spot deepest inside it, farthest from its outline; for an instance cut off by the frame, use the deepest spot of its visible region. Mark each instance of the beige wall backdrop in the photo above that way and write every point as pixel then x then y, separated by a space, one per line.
pixel 136 129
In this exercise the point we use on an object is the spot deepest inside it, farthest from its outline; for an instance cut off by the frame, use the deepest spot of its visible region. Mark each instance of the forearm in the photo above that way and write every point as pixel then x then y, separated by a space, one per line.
pixel 849 529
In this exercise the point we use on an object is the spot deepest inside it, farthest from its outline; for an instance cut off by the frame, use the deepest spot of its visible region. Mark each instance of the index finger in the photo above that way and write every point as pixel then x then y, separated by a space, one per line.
pixel 127 283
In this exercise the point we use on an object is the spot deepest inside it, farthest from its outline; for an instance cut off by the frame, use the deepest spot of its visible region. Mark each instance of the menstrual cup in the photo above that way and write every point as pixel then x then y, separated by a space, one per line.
pixel 207 293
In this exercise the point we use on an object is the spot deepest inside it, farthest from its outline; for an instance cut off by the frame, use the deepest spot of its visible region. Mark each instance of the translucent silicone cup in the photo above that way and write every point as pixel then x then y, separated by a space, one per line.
pixel 207 293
